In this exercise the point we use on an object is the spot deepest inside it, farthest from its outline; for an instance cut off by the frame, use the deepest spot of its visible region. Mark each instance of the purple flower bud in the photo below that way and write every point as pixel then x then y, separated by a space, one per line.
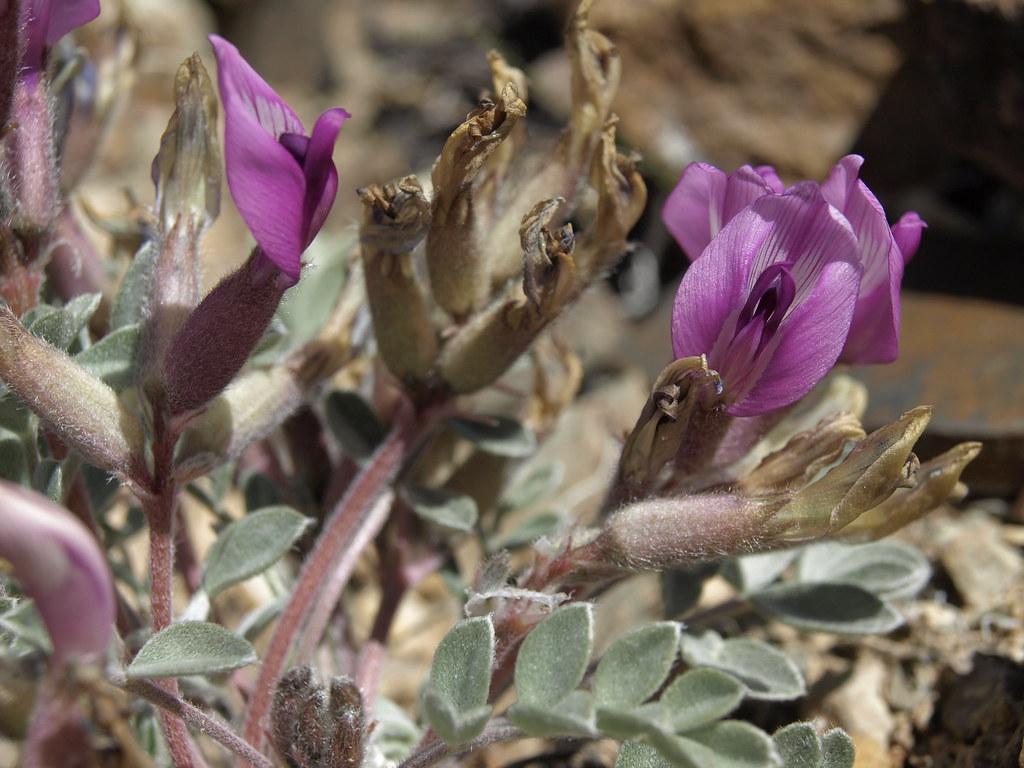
pixel 282 180
pixel 771 299
pixel 61 567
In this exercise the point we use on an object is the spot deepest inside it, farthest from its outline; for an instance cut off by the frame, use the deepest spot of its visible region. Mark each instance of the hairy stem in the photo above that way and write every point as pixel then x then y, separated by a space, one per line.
pixel 192 715
pixel 361 494
pixel 498 730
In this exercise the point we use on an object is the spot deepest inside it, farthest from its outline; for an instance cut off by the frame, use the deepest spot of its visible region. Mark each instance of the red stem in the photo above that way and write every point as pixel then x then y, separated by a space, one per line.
pixel 360 495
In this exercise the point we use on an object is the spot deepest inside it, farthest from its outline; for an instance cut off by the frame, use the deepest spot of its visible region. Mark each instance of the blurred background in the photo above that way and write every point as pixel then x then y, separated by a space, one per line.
pixel 931 93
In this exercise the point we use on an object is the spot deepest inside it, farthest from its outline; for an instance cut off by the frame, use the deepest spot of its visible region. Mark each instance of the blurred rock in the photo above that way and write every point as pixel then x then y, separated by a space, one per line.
pixel 981 565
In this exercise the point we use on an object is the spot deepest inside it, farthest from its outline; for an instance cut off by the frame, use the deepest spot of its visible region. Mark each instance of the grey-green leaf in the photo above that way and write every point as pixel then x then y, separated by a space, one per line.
pixel 681 588
pixel 884 568
pixel 13 461
pixel 636 665
pixel 636 754
pixel 534 486
pixel 112 358
pixel 572 716
pixel 699 697
pixel 461 670
pixel 49 480
pixel 61 326
pixel 450 510
pixel 767 672
pixel 753 572
pixel 837 749
pixel 453 726
pixel 354 424
pixel 843 609
pixel 251 545
pixel 798 745
pixel 542 524
pixel 191 648
pixel 736 744
pixel 554 656
pixel 499 435
pixel 133 296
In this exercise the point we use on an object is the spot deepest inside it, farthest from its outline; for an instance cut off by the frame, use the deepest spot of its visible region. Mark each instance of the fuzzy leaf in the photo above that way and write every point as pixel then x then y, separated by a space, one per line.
pixel 354 424
pixel 729 744
pixel 61 326
pixel 49 480
pixel 112 358
pixel 625 724
pixel 767 672
pixel 842 609
pixel 799 746
pixel 884 568
pixel 681 587
pixel 699 697
pixel 191 648
pixel 536 485
pixel 837 749
pixel 499 435
pixel 448 509
pixel 636 665
pixel 554 656
pixel 133 295
pixel 572 716
pixel 251 545
pixel 460 678
pixel 636 754
pixel 541 524
pixel 754 572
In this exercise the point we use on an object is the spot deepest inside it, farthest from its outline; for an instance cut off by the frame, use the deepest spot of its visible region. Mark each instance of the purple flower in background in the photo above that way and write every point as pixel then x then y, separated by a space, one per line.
pixel 47 21
pixel 771 299
pixel 60 565
pixel 705 200
pixel 875 332
pixel 282 180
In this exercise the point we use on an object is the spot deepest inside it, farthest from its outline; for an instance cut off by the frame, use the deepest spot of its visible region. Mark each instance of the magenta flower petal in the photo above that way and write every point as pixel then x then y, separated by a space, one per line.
pixel 771 178
pixel 771 299
pixel 874 333
pixel 705 200
pixel 61 567
pixel 47 21
pixel 318 166
pixel 907 233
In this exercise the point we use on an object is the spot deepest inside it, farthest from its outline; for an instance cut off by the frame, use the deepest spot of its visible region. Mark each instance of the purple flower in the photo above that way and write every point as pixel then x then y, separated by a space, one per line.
pixel 47 21
pixel 282 180
pixel 61 567
pixel 771 299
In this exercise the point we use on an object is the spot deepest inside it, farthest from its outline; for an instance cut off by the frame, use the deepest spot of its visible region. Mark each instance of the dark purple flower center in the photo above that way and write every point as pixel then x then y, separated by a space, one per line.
pixel 768 302
pixel 296 144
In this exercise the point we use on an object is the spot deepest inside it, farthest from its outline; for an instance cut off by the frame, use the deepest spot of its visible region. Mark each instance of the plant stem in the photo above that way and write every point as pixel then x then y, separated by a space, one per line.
pixel 188 713
pixel 497 730
pixel 364 490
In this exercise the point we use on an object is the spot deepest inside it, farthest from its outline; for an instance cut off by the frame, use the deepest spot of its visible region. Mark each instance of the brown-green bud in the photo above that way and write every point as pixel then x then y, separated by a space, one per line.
pixel 395 220
pixel 455 259
pixel 311 726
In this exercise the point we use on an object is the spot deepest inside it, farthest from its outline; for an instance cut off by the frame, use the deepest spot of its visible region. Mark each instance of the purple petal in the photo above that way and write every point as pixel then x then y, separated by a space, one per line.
pixel 61 567
pixel 907 234
pixel 266 181
pixel 705 200
pixel 68 15
pixel 771 178
pixel 321 174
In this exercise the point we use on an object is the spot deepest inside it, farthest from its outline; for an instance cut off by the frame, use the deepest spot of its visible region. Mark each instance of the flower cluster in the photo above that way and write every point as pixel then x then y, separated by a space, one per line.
pixel 785 282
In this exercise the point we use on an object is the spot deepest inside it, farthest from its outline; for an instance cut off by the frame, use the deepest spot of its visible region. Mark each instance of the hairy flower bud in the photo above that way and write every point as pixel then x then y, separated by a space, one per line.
pixel 455 260
pixel 214 342
pixel 82 410
pixel 62 568
pixel 395 220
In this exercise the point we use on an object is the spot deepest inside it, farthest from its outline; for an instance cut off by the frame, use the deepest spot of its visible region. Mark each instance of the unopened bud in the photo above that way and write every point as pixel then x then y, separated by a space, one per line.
pixel 83 411
pixel 934 482
pixel 456 262
pixel 214 342
pixel 486 347
pixel 187 169
pixel 31 162
pixel 311 726
pixel 867 476
pixel 395 220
